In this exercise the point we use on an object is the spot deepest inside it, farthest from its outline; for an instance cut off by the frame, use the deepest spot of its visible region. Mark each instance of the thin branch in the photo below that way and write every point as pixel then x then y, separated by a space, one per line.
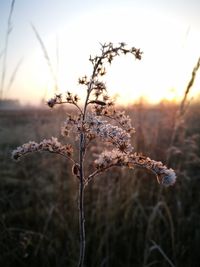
pixel 72 103
pixel 99 171
pixel 75 104
pixel 53 152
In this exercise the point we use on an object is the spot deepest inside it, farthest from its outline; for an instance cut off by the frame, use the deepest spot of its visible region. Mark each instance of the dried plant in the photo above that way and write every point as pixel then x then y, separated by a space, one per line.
pixel 97 119
pixel 178 135
pixel 4 55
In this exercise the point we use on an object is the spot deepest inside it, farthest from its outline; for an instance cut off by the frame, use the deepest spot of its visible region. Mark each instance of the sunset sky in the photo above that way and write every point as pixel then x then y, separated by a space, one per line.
pixel 168 32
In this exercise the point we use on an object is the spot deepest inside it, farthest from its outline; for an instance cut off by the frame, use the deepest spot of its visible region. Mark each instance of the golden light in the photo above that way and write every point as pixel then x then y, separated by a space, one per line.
pixel 170 53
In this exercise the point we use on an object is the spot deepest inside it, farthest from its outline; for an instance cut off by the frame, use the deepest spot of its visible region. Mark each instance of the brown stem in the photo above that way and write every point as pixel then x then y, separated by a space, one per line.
pixel 81 206
pixel 82 148
pixel 81 191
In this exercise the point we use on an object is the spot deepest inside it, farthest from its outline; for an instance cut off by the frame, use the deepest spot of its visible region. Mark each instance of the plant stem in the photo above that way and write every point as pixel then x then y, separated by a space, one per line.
pixel 81 182
pixel 81 207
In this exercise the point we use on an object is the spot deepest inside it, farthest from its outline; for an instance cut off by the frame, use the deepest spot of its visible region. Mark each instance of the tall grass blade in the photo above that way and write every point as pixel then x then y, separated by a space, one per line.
pixel 5 50
pixel 182 109
pixel 46 55
pixel 155 246
pixel 189 86
pixel 13 76
pixel 1 54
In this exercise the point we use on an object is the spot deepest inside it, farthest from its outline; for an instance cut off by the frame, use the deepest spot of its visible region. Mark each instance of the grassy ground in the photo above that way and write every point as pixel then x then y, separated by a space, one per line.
pixel 130 219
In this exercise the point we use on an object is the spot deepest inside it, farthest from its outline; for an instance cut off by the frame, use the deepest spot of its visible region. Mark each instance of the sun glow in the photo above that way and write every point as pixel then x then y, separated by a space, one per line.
pixel 170 53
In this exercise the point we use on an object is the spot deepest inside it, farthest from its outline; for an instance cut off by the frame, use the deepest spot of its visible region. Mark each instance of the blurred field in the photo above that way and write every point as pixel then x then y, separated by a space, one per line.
pixel 130 219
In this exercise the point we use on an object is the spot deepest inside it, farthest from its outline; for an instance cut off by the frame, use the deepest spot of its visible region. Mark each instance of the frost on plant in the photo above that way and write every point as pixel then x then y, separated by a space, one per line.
pixel 97 120
pixel 51 145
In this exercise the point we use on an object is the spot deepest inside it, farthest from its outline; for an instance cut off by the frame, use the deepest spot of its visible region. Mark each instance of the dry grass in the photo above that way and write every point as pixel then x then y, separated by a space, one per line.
pixel 129 221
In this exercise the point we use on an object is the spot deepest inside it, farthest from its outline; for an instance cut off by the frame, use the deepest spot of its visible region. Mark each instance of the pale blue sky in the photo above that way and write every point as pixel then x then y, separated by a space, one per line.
pixel 52 16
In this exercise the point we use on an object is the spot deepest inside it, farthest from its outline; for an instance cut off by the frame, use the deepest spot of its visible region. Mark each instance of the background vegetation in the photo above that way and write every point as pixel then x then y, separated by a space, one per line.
pixel 130 219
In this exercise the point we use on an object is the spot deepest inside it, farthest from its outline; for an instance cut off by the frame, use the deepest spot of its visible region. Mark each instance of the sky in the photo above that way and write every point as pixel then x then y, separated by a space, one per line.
pixel 168 32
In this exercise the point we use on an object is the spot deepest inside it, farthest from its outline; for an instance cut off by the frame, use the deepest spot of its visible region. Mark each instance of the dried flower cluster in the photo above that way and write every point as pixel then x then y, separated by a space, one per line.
pixel 51 145
pixel 103 121
pixel 97 119
pixel 115 157
pixel 58 99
